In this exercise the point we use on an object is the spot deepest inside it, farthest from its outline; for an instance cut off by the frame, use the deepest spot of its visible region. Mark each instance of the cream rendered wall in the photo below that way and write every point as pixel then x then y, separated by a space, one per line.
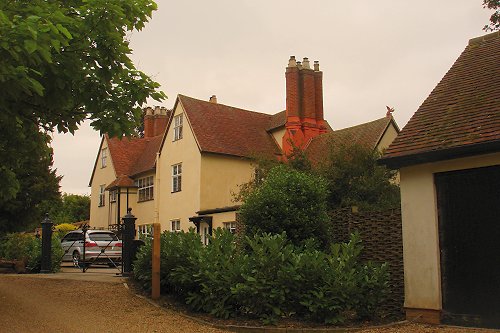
pixel 278 135
pixel 389 136
pixel 180 205
pixel 219 219
pixel 220 177
pixel 420 228
pixel 143 210
pixel 102 176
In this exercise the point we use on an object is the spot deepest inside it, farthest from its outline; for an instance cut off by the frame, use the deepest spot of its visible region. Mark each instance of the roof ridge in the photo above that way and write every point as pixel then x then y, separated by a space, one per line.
pixel 363 124
pixel 229 106
pixel 480 39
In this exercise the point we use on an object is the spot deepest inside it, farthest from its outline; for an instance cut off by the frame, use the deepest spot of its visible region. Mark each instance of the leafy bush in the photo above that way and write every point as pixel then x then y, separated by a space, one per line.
pixel 270 279
pixel 288 200
pixel 28 248
pixel 62 229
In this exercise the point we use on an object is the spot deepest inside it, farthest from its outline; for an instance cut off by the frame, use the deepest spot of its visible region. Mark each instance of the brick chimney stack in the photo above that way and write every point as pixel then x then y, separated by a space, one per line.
pixel 149 122
pixel 304 104
pixel 155 121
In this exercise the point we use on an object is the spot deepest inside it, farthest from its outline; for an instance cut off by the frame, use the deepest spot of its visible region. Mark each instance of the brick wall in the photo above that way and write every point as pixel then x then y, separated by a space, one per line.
pixel 382 240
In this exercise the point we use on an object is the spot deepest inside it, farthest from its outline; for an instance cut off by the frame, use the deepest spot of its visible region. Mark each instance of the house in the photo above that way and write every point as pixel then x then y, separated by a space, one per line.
pixel 184 174
pixel 448 156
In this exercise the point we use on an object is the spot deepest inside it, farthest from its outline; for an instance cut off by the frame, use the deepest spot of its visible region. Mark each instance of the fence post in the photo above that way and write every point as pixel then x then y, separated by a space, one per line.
pixel 128 239
pixel 46 264
pixel 155 273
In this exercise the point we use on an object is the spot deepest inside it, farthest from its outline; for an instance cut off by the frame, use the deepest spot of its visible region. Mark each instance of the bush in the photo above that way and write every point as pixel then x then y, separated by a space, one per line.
pixel 288 200
pixel 270 278
pixel 28 248
pixel 62 229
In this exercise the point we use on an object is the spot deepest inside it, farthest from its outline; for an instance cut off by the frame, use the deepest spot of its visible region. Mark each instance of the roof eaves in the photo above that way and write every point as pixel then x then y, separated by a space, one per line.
pixel 397 162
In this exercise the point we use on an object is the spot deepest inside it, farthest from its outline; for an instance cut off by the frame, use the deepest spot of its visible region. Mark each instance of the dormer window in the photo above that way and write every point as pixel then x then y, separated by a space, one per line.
pixel 178 127
pixel 104 156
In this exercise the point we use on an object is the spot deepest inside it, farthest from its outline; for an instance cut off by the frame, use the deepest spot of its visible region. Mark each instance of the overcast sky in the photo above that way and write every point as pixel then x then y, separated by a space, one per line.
pixel 372 54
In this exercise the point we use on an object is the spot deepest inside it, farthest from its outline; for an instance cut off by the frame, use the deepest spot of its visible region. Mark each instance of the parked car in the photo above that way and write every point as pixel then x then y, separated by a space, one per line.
pixel 101 246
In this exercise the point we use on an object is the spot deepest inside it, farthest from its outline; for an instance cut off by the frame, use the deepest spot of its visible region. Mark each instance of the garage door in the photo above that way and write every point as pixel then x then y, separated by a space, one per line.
pixel 469 229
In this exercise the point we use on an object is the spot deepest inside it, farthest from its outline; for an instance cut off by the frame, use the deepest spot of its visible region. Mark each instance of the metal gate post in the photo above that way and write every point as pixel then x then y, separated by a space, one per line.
pixel 128 239
pixel 46 265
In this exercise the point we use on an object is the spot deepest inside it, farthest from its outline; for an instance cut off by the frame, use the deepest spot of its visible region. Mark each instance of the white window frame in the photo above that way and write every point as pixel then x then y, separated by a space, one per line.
pixel 231 226
pixel 104 157
pixel 102 197
pixel 145 231
pixel 177 127
pixel 175 225
pixel 113 195
pixel 177 177
pixel 145 187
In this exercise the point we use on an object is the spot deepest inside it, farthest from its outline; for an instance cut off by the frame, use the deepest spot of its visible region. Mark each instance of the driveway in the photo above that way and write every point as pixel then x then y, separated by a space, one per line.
pixel 98 301
pixel 47 304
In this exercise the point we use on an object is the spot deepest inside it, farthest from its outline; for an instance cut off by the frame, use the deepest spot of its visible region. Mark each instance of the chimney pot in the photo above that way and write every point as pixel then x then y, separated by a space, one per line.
pixel 213 99
pixel 149 111
pixel 292 62
pixel 299 65
pixel 305 63
pixel 316 66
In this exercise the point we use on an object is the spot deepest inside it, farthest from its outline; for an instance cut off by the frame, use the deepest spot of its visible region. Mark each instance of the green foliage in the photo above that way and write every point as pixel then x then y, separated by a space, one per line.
pixel 269 280
pixel 355 179
pixel 288 200
pixel 69 208
pixel 28 248
pixel 495 17
pixel 62 229
pixel 62 62
pixel 27 181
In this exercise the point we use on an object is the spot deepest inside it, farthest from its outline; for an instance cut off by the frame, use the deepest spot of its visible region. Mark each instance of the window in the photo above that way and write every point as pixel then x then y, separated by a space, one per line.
pixel 231 226
pixel 101 195
pixel 175 225
pixel 178 127
pixel 146 188
pixel 104 156
pixel 145 231
pixel 177 177
pixel 112 196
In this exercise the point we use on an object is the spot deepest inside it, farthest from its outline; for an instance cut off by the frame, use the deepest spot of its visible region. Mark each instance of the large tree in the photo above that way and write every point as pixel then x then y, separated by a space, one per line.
pixel 62 62
pixel 495 17
pixel 356 179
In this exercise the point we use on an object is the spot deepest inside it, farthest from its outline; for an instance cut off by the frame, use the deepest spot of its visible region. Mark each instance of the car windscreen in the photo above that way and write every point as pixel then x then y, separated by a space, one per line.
pixel 103 236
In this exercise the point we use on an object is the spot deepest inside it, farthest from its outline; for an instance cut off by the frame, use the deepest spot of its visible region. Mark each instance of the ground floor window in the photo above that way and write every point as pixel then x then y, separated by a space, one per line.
pixel 175 225
pixel 102 201
pixel 231 226
pixel 145 231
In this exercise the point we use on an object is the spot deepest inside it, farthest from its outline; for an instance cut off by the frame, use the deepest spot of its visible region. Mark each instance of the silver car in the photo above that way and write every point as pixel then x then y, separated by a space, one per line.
pixel 101 246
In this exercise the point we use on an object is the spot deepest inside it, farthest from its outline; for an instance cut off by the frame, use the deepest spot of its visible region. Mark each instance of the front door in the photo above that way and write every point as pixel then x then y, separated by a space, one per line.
pixel 469 231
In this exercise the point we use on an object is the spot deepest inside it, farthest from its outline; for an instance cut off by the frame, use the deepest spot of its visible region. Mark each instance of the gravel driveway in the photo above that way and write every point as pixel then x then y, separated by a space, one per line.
pixel 40 304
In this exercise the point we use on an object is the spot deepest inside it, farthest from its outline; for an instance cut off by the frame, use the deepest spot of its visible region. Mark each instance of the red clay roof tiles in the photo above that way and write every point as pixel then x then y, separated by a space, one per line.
pixel 367 134
pixel 462 110
pixel 228 130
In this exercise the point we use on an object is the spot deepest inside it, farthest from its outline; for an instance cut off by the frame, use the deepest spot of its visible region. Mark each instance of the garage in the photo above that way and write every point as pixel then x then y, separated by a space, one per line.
pixel 469 234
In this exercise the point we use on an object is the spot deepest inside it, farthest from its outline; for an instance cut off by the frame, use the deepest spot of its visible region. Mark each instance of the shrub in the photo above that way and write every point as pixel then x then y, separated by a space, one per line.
pixel 288 200
pixel 28 248
pixel 62 229
pixel 269 279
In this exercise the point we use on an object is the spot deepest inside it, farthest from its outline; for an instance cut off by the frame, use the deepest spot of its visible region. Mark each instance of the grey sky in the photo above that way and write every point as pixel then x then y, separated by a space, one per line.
pixel 372 54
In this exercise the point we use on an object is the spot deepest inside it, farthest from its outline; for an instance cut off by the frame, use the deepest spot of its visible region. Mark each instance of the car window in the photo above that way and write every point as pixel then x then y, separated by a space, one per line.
pixel 103 236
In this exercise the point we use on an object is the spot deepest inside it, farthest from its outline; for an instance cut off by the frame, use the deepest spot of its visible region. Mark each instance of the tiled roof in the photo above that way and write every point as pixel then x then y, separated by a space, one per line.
pixel 463 110
pixel 367 134
pixel 121 181
pixel 277 120
pixel 228 130
pixel 132 156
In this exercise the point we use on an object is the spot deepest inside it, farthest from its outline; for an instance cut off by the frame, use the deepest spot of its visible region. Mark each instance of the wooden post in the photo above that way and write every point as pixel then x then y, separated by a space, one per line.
pixel 155 274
